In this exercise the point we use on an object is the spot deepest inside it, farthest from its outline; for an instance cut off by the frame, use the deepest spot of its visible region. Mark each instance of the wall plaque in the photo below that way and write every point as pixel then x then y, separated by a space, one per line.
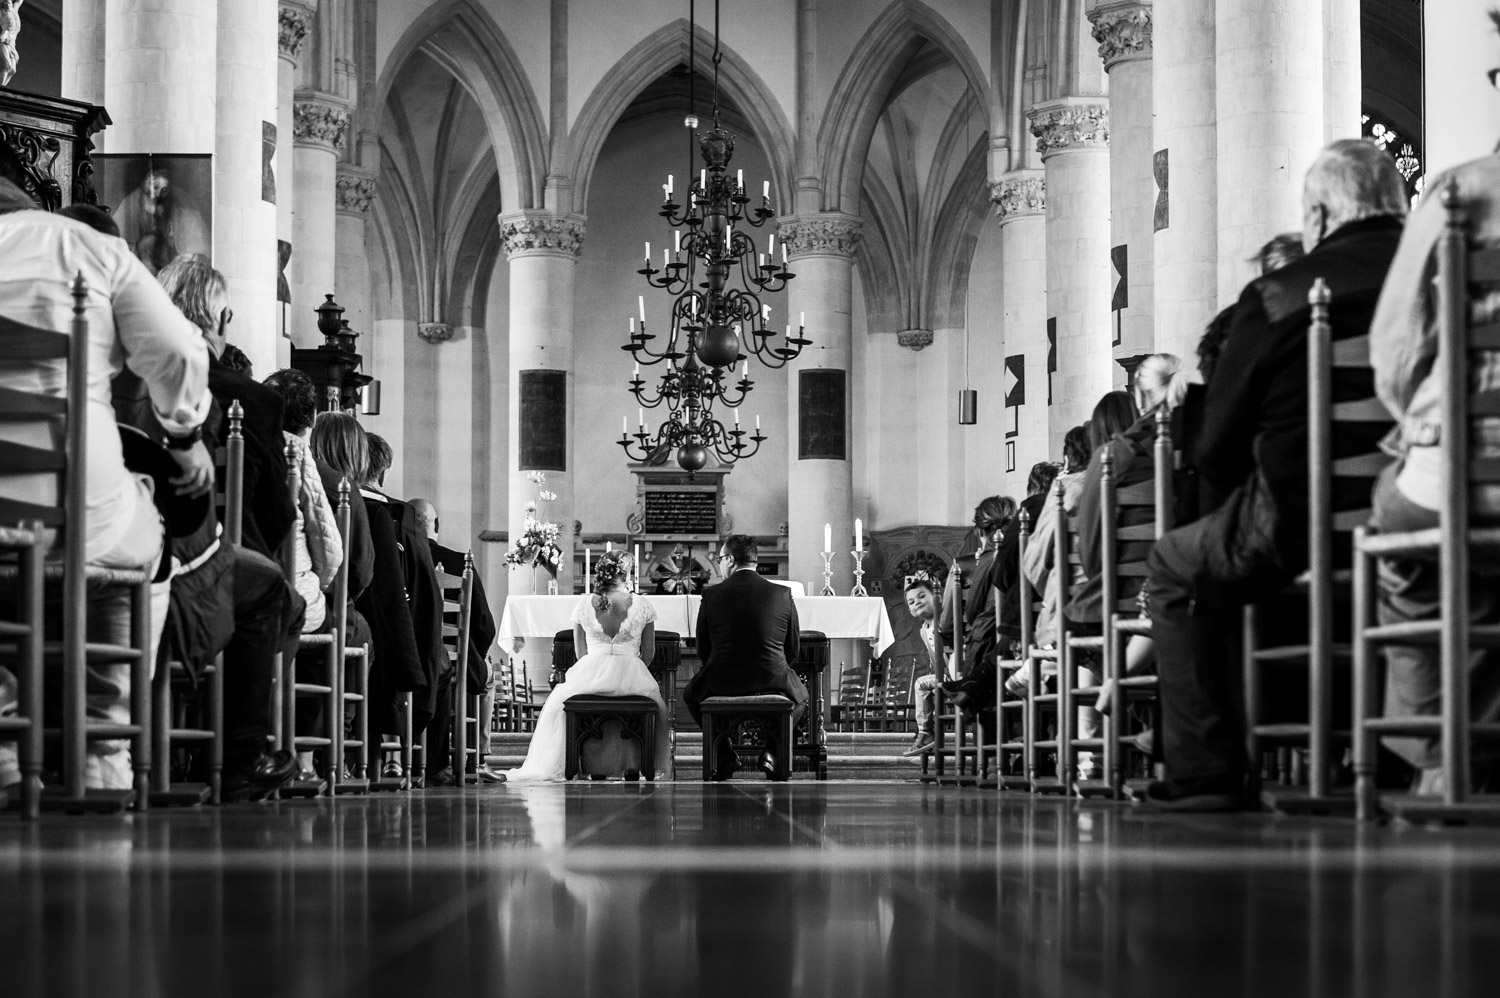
pixel 821 416
pixel 682 512
pixel 544 420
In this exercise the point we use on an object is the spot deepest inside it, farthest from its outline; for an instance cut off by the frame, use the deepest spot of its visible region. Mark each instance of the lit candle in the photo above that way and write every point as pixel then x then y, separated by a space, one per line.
pixel 828 538
pixel 859 535
pixel 640 301
pixel 739 180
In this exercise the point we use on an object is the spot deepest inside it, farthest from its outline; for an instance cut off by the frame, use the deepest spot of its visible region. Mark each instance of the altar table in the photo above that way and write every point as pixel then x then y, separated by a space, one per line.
pixel 862 617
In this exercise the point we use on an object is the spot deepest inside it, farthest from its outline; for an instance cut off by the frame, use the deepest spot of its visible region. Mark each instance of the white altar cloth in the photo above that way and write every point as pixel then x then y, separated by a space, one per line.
pixel 836 616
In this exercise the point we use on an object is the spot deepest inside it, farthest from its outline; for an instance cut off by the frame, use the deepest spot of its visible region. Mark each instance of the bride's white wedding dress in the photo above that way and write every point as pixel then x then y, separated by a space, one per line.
pixel 612 667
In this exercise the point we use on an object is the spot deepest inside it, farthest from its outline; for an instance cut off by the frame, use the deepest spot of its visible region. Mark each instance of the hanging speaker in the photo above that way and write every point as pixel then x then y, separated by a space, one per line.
pixel 968 407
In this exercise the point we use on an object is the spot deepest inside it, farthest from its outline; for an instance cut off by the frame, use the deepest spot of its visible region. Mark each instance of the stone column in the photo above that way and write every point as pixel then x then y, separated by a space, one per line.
pixel 543 249
pixel 1460 110
pixel 244 202
pixel 294 24
pixel 1185 168
pixel 318 132
pixel 160 76
pixel 1286 91
pixel 820 481
pixel 83 52
pixel 1020 199
pixel 355 194
pixel 1123 30
pixel 1073 142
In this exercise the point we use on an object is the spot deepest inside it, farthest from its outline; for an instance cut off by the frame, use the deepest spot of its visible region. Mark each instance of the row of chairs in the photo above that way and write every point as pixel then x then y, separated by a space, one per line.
pixel 515 703
pixel 868 702
pixel 1038 747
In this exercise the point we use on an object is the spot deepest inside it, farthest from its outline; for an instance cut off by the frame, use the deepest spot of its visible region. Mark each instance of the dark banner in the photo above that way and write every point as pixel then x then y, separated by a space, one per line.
pixel 544 421
pixel 821 416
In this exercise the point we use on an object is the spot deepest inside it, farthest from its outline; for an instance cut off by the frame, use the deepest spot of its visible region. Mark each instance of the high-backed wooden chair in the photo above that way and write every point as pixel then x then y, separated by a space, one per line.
pixel 854 680
pixel 57 450
pixel 168 713
pixel 1467 337
pixel 1342 464
pixel 1121 582
pixel 1015 719
pixel 1066 575
pixel 458 603
pixel 954 761
pixel 25 544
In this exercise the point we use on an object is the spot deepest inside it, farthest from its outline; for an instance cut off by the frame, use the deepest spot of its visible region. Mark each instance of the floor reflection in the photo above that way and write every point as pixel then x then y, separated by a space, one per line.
pixel 751 889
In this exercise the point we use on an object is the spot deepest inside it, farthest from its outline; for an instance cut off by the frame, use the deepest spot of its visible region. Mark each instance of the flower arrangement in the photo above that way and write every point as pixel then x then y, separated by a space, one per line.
pixel 537 545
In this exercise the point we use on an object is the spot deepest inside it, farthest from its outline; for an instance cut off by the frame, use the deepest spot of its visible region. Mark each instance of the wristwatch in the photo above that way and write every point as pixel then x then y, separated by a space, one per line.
pixel 187 441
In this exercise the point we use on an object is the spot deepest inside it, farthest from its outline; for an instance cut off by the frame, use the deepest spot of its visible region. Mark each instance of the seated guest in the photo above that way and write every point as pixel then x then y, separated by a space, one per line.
pixel 1403 348
pixel 235 360
pixel 993 518
pixel 203 295
pixel 921 601
pixel 340 442
pixel 1040 546
pixel 130 322
pixel 1252 448
pixel 381 459
pixel 480 679
pixel 1278 251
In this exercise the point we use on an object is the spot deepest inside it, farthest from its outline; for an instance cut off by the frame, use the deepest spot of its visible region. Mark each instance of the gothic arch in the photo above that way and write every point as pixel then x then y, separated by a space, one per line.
pixel 860 95
pixel 462 38
pixel 654 55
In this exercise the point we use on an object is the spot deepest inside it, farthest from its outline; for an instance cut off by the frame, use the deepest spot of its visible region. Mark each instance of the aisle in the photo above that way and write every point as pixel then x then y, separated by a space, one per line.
pixel 738 889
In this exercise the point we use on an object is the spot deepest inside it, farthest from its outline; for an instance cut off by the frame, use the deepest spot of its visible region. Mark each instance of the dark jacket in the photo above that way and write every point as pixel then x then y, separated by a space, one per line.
pixel 482 628
pixel 270 508
pixel 748 637
pixel 397 667
pixel 1255 406
pixel 424 596
pixel 358 550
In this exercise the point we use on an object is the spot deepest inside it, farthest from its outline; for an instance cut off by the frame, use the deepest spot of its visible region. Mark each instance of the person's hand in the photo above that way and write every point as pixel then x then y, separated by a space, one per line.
pixel 197 466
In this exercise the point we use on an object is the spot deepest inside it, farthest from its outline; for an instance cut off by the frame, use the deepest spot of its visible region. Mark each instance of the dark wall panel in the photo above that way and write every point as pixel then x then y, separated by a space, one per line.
pixel 544 420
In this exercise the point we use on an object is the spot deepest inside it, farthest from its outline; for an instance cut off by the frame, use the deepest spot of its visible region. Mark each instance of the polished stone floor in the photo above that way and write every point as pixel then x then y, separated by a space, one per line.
pixel 843 889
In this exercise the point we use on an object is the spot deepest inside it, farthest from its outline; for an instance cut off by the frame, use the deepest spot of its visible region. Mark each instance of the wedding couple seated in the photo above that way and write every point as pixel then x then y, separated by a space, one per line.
pixel 747 636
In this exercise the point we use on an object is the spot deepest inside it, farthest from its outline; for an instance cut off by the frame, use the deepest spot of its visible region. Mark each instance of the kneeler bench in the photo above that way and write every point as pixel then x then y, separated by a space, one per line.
pixel 771 713
pixel 587 715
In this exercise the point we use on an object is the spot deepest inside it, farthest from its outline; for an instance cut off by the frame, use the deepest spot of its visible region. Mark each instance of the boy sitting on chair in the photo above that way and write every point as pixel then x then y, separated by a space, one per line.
pixel 921 600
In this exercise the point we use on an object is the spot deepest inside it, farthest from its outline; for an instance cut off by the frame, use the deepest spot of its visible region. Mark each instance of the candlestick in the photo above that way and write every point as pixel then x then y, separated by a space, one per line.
pixel 827 589
pixel 859 574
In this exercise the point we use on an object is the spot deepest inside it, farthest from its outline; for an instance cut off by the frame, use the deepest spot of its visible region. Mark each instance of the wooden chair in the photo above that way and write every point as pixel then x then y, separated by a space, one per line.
pixel 458 602
pixel 1121 582
pixel 1015 720
pixel 809 748
pixel 1341 473
pixel 854 684
pixel 69 515
pixel 964 750
pixel 897 709
pixel 173 677
pixel 1066 575
pixel 1462 333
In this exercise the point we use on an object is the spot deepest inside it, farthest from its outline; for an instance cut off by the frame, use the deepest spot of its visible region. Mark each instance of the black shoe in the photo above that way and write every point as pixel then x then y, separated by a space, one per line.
pixel 768 766
pixel 952 686
pixel 267 773
pixel 1217 794
pixel 442 778
pixel 726 765
pixel 964 701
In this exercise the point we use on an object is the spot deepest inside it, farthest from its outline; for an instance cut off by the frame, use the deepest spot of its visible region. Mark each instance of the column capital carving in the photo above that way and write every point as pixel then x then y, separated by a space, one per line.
pixel 1070 124
pixel 828 233
pixel 1123 31
pixel 914 339
pixel 356 190
pixel 295 21
pixel 542 233
pixel 319 119
pixel 1019 194
pixel 435 332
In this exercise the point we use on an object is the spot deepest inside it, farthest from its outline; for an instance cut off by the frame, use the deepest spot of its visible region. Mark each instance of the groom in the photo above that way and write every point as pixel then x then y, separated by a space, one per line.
pixel 747 640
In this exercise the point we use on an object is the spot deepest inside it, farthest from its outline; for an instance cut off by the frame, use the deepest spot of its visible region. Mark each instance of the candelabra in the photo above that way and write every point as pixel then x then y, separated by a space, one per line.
pixel 827 589
pixel 859 574
pixel 693 432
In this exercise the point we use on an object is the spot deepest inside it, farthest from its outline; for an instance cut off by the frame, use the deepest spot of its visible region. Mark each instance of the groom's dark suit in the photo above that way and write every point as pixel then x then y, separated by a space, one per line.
pixel 747 640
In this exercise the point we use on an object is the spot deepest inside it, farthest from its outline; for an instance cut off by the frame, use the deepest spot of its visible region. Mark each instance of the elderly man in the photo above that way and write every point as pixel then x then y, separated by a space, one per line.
pixel 1252 448
pixel 130 321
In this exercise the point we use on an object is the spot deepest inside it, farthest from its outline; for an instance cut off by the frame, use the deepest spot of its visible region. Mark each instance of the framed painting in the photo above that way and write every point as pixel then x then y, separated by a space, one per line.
pixel 163 203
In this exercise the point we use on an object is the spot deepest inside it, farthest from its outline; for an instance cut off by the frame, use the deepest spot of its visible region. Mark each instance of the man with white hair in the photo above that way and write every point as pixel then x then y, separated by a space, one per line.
pixel 1252 448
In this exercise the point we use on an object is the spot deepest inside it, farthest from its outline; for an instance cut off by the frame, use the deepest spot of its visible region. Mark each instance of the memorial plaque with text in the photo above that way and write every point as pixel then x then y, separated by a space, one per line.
pixel 682 512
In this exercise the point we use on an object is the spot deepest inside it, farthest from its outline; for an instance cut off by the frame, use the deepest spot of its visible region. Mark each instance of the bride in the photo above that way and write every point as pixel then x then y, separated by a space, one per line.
pixel 614 633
